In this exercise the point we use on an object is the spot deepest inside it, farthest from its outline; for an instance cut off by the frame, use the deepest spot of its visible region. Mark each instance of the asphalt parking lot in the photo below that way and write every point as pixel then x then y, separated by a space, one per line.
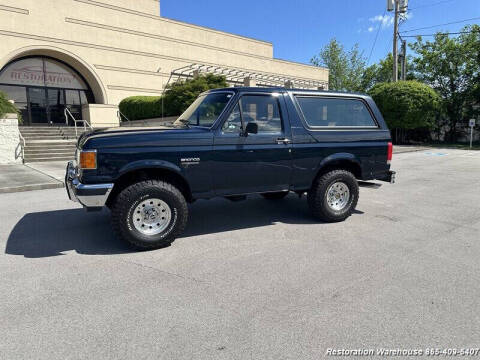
pixel 253 279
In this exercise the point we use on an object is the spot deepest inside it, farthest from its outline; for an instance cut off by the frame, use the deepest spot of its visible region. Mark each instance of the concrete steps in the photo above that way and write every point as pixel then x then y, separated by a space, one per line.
pixel 49 143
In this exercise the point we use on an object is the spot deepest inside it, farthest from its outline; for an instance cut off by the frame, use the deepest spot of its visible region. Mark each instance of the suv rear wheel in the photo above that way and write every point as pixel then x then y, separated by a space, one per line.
pixel 150 214
pixel 333 196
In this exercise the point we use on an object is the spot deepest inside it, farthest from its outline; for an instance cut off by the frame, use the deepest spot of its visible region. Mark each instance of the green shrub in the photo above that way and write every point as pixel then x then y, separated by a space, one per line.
pixel 176 100
pixel 6 107
pixel 141 107
pixel 407 104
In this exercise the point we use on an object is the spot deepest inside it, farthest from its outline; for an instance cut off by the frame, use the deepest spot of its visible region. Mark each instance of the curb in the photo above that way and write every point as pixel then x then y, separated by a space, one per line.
pixel 410 150
pixel 23 188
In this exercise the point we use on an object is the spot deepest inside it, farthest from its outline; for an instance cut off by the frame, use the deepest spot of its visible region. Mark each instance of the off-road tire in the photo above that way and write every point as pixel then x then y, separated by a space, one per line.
pixel 275 195
pixel 128 199
pixel 317 196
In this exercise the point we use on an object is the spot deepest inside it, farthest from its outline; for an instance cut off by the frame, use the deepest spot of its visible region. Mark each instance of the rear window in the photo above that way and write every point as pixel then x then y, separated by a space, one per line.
pixel 335 112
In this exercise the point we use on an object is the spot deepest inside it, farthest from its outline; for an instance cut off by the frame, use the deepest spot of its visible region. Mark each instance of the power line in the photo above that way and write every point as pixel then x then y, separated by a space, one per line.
pixel 433 4
pixel 376 37
pixel 433 26
pixel 447 33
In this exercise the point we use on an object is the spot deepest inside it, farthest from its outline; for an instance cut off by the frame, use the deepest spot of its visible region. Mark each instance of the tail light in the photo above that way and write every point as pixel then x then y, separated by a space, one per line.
pixel 389 153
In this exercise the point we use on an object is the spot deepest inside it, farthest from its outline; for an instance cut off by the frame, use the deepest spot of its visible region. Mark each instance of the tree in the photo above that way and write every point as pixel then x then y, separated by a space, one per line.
pixel 382 72
pixel 451 65
pixel 6 107
pixel 178 97
pixel 346 68
pixel 406 105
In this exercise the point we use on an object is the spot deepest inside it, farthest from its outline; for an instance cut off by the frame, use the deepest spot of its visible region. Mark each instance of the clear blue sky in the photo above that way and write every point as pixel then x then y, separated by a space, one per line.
pixel 299 28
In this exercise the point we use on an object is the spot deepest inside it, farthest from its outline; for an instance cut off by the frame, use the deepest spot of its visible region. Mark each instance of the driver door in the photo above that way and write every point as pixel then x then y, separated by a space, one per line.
pixel 248 163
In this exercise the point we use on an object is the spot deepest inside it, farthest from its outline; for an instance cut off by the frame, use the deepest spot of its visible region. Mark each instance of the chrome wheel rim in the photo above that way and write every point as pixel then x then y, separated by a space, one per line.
pixel 338 195
pixel 151 216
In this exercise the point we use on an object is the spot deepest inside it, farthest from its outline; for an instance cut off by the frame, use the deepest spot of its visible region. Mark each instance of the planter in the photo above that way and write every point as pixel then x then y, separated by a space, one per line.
pixel 11 151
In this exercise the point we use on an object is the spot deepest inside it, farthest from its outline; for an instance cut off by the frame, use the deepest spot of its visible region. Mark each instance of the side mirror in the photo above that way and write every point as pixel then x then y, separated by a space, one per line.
pixel 252 128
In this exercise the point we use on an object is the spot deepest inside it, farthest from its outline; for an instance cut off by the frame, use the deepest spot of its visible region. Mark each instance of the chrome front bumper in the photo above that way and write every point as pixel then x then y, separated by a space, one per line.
pixel 90 196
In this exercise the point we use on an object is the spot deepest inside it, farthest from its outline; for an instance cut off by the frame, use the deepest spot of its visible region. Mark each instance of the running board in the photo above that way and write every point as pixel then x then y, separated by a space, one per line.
pixel 369 184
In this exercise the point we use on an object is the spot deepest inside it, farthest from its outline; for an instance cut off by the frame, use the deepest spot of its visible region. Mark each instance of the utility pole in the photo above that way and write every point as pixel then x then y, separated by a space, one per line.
pixel 404 59
pixel 395 47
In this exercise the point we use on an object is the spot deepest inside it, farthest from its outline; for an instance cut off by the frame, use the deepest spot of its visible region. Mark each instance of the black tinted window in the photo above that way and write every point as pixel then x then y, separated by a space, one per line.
pixel 264 110
pixel 331 112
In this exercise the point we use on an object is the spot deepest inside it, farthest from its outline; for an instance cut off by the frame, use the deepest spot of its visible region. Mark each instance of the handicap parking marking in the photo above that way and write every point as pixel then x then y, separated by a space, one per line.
pixel 436 153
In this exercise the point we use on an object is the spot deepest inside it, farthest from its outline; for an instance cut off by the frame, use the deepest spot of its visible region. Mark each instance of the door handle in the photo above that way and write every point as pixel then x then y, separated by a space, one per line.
pixel 283 141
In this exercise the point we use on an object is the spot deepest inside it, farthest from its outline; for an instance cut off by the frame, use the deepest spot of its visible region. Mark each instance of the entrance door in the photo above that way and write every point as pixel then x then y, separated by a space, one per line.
pixel 38 105
pixel 55 106
pixel 42 87
pixel 258 162
pixel 73 103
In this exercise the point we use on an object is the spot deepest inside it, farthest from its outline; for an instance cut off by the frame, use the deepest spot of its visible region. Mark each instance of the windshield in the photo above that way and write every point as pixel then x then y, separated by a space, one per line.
pixel 204 110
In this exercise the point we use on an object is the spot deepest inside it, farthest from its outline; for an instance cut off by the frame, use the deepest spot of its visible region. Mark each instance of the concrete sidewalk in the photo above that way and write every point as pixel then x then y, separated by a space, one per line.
pixel 54 169
pixel 17 178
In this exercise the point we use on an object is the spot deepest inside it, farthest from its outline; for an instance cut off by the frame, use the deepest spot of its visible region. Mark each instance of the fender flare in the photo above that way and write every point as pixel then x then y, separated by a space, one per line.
pixel 150 164
pixel 338 157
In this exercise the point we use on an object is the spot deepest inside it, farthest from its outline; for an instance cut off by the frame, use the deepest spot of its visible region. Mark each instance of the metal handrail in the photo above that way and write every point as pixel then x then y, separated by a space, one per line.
pixel 22 144
pixel 120 115
pixel 67 112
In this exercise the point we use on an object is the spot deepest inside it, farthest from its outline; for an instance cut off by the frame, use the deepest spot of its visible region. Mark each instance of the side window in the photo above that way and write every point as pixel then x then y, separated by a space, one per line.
pixel 264 110
pixel 334 112
pixel 261 109
pixel 233 124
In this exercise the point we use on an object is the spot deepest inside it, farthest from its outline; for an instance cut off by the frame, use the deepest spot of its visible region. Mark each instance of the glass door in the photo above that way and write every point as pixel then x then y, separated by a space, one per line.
pixel 38 105
pixel 56 106
pixel 72 101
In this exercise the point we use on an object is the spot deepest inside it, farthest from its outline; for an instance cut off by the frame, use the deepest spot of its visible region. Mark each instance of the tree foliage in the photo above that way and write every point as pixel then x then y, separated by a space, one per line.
pixel 451 65
pixel 6 107
pixel 349 70
pixel 406 104
pixel 383 72
pixel 178 96
pixel 346 68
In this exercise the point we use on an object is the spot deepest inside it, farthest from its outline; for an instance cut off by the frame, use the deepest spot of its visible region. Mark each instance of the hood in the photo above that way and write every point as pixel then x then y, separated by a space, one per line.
pixel 141 136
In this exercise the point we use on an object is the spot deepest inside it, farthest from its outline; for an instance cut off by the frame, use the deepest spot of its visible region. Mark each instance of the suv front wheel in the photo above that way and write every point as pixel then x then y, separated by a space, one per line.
pixel 333 196
pixel 150 214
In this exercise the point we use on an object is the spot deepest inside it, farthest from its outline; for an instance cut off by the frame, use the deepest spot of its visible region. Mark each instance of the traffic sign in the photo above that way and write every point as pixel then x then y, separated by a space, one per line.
pixel 472 125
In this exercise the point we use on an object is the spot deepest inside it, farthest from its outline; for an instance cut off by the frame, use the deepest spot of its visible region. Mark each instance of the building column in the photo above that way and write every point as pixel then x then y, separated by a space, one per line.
pixel 249 81
pixel 289 84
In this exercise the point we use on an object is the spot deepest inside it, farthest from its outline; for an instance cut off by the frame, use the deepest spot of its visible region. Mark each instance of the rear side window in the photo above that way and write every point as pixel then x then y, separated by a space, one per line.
pixel 335 112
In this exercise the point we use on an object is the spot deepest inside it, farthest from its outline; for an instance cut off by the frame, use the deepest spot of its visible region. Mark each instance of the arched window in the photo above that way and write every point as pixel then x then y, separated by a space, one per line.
pixel 42 87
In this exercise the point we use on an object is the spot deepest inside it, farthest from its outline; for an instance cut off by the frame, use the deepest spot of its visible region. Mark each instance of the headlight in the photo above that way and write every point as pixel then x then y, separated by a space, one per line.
pixel 88 159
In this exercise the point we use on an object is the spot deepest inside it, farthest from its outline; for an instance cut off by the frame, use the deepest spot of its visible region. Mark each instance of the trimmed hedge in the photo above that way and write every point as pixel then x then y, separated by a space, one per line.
pixel 177 98
pixel 6 107
pixel 141 107
pixel 406 104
